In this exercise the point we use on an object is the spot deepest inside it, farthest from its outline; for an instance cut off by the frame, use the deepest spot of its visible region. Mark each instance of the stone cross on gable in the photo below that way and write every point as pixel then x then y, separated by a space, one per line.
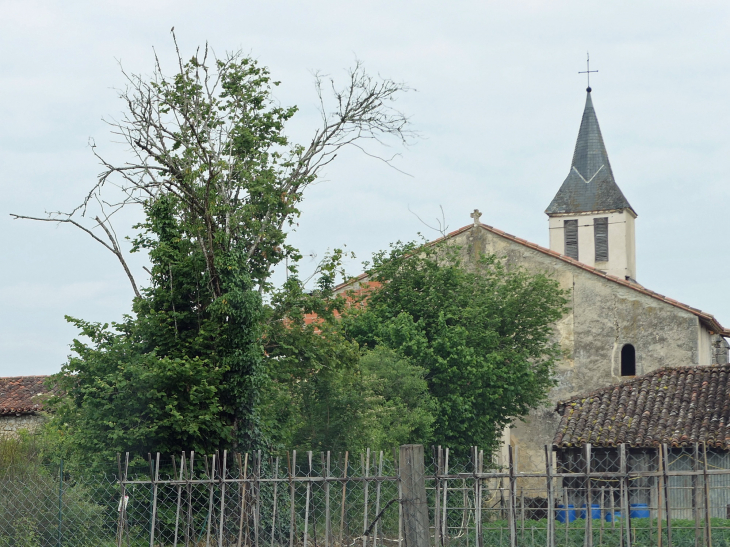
pixel 475 215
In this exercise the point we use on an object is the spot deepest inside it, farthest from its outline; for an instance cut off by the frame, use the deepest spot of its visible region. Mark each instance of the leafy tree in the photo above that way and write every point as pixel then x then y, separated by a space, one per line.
pixel 323 392
pixel 220 185
pixel 482 332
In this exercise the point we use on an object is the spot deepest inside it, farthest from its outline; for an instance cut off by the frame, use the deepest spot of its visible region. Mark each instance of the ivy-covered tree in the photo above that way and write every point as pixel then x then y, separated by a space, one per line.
pixel 482 332
pixel 220 185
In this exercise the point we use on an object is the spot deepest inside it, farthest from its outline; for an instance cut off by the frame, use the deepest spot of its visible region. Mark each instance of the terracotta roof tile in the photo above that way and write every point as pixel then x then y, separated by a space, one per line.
pixel 20 394
pixel 678 406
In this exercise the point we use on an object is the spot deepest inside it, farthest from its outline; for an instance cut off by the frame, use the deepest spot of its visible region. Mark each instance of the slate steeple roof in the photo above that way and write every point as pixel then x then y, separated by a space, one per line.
pixel 590 185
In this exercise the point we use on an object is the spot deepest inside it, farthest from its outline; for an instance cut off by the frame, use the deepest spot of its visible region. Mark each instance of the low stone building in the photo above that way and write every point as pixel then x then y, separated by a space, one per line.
pixel 21 403
pixel 684 408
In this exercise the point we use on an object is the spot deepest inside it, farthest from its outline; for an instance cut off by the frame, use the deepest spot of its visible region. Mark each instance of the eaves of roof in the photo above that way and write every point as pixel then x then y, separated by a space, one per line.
pixel 707 319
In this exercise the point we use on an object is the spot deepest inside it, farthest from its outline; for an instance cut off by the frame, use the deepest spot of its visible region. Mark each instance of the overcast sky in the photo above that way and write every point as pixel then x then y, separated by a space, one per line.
pixel 498 102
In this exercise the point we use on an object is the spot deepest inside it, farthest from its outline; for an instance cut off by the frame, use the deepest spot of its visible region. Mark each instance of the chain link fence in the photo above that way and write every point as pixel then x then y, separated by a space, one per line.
pixel 583 497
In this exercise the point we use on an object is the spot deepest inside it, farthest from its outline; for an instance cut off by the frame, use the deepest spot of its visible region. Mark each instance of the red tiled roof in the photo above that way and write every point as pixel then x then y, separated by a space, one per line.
pixel 678 406
pixel 19 394
pixel 709 321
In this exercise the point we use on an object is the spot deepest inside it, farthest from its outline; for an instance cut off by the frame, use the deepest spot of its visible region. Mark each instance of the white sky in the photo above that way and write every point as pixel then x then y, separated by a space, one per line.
pixel 498 102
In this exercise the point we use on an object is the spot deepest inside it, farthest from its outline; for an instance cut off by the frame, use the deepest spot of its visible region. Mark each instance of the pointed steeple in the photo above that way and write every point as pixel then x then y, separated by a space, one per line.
pixel 590 186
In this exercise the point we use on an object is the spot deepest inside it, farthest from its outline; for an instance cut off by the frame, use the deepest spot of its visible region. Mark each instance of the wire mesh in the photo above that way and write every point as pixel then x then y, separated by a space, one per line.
pixel 583 497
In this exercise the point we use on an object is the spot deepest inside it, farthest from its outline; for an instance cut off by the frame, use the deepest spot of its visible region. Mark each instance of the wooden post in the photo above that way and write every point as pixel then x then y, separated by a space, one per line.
pixel 415 504
pixel 708 524
pixel 512 495
pixel 589 497
pixel 625 505
pixel 292 471
pixel 550 497
pixel 613 508
pixel 327 516
pixel 189 533
pixel 210 498
pixel 155 477
pixel 273 513
pixel 444 521
pixel 437 498
pixel 695 492
pixel 479 469
pixel 659 494
pixel 377 498
pixel 242 493
pixel 223 498
pixel 257 499
pixel 179 495
pixel 308 495
pixel 344 494
pixel 602 513
pixel 365 500
pixel 665 458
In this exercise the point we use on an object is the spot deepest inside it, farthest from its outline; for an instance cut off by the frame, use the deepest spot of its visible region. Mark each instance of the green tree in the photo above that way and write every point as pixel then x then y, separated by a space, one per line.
pixel 220 186
pixel 323 392
pixel 482 332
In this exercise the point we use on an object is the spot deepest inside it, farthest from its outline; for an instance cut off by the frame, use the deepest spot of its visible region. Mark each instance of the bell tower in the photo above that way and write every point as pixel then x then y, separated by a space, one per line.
pixel 590 219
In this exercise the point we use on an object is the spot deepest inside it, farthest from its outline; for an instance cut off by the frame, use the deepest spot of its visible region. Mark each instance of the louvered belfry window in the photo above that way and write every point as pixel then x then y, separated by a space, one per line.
pixel 600 231
pixel 571 238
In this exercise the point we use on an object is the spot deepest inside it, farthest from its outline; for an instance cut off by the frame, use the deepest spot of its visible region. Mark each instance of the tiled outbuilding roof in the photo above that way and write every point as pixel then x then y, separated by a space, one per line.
pixel 22 394
pixel 678 406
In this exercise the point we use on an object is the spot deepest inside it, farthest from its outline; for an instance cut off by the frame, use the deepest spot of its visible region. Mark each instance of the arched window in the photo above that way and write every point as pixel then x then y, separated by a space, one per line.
pixel 628 360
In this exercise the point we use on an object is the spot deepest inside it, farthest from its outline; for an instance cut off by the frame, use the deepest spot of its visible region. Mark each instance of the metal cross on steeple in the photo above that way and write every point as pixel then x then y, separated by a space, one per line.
pixel 588 71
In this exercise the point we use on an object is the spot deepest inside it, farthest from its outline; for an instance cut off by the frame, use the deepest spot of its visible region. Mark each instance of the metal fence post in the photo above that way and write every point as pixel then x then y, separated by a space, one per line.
pixel 414 502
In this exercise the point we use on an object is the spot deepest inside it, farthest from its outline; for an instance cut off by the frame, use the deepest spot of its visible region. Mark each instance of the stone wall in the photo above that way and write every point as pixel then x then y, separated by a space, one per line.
pixel 10 425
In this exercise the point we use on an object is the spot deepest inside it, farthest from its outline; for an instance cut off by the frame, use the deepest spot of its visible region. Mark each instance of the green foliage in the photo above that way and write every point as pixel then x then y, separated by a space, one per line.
pixel 323 391
pixel 482 332
pixel 220 185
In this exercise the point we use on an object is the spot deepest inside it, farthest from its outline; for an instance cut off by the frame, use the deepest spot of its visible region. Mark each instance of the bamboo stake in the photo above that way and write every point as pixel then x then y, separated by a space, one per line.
pixel 708 524
pixel 223 498
pixel 695 493
pixel 179 495
pixel 189 488
pixel 665 456
pixel 512 488
pixel 589 498
pixel 154 499
pixel 396 463
pixel 437 497
pixel 344 493
pixel 444 521
pixel 377 499
pixel 478 500
pixel 273 513
pixel 210 497
pixel 257 499
pixel 365 500
pixel 550 497
pixel 309 492
pixel 625 513
pixel 327 516
pixel 242 494
pixel 292 470
pixel 602 514
pixel 522 514
pixel 660 491
pixel 240 498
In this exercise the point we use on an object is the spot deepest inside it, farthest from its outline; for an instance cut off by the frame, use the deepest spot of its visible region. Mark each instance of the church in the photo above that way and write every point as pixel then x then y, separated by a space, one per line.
pixel 616 328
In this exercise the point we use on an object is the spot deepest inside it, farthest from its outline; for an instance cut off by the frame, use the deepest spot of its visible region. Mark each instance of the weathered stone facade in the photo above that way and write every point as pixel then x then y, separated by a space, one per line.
pixel 11 425
pixel 606 313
